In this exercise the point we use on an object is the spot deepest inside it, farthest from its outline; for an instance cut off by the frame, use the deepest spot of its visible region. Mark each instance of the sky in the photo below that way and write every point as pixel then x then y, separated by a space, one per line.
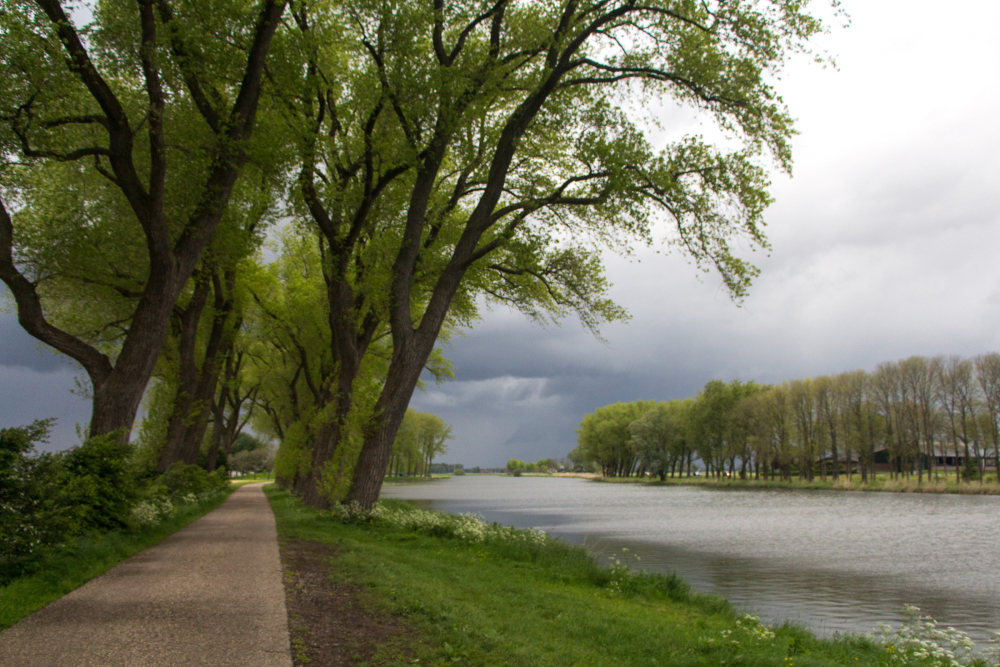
pixel 884 245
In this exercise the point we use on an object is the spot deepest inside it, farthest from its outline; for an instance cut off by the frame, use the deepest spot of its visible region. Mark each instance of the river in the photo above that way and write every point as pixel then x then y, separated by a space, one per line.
pixel 833 561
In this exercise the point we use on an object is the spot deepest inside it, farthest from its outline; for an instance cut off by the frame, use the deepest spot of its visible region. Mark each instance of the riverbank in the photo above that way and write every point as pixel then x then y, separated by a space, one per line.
pixel 882 483
pixel 449 590
pixel 414 479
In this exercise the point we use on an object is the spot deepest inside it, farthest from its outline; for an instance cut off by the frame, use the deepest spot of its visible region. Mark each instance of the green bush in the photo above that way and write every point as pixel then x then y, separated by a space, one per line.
pixel 29 517
pixel 46 499
pixel 96 486
pixel 181 480
pixel 458 471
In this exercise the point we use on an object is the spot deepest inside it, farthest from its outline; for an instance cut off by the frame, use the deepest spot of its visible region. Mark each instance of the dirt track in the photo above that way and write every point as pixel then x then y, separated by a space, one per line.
pixel 211 594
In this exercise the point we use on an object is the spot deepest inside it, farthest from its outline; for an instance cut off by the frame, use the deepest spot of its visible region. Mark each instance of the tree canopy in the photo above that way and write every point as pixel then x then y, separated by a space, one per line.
pixel 425 159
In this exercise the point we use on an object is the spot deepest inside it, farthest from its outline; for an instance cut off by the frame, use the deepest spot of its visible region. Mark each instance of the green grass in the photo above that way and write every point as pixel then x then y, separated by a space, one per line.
pixel 87 557
pixel 510 605
pixel 881 483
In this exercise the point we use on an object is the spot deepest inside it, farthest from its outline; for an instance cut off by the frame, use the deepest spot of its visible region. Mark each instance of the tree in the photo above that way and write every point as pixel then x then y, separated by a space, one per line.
pixel 776 417
pixel 988 375
pixel 657 438
pixel 432 435
pixel 802 397
pixel 155 104
pixel 829 410
pixel 605 437
pixel 406 449
pixel 958 397
pixel 481 92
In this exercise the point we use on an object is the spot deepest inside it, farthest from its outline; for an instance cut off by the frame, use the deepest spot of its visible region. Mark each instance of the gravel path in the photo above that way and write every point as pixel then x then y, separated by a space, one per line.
pixel 211 594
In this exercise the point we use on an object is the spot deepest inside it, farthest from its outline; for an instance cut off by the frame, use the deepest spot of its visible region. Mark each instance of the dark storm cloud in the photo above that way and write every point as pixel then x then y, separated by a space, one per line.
pixel 29 395
pixel 35 384
pixel 17 348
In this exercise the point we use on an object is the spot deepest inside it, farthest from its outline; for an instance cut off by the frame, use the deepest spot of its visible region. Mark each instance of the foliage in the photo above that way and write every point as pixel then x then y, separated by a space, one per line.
pixel 606 439
pixel 421 437
pixel 49 499
pixel 246 442
pixel 658 437
pixel 96 484
pixel 923 418
pixel 29 520
pixel 254 460
pixel 181 480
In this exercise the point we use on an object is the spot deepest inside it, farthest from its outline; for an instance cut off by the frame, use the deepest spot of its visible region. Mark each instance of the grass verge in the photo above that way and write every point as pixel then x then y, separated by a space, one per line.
pixel 89 556
pixel 513 603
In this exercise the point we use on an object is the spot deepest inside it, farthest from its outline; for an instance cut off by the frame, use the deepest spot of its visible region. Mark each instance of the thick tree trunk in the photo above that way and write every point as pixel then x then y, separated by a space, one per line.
pixel 391 407
pixel 187 377
pixel 216 349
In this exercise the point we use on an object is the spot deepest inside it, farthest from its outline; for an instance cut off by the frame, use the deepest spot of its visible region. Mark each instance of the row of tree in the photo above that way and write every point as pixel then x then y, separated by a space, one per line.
pixel 420 438
pixel 423 158
pixel 919 416
pixel 516 466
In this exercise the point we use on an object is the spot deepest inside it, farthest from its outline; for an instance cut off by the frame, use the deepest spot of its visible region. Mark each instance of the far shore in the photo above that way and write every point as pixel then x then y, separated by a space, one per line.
pixel 882 483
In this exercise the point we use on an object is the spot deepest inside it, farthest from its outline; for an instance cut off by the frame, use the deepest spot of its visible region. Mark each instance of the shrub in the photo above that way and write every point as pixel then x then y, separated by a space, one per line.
pixel 29 517
pixel 96 487
pixel 458 471
pixel 181 480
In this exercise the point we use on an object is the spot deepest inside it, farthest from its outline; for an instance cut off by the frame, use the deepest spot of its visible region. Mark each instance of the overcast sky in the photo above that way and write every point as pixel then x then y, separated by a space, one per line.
pixel 884 246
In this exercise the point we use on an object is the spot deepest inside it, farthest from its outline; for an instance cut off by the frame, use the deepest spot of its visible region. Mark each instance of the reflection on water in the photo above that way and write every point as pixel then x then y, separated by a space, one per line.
pixel 833 561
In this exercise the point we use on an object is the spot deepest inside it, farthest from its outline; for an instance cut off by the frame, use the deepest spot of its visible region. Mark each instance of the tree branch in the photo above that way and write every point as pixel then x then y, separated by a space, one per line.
pixel 32 318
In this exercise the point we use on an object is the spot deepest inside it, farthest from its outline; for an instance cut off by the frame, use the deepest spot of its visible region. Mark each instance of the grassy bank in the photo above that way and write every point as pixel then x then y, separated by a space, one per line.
pixel 414 479
pixel 882 483
pixel 492 596
pixel 84 558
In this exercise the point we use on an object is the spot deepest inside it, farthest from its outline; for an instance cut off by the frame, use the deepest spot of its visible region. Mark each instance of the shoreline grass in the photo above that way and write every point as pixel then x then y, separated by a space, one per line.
pixel 494 601
pixel 86 557
pixel 414 479
pixel 882 484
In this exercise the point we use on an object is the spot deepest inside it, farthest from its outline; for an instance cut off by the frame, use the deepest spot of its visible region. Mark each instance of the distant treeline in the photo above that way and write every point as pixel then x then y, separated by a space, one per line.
pixel 918 416
pixel 420 438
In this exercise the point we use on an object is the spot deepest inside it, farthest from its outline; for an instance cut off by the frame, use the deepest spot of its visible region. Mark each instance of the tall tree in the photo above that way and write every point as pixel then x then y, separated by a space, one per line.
pixel 604 437
pixel 988 375
pixel 657 438
pixel 957 388
pixel 830 406
pixel 802 397
pixel 157 103
pixel 513 111
pixel 432 436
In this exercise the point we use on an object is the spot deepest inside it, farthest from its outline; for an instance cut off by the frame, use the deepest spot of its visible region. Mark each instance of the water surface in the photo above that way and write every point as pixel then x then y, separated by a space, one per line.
pixel 834 561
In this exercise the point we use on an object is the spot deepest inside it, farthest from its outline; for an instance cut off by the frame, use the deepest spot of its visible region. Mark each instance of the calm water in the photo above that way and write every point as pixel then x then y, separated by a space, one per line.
pixel 834 561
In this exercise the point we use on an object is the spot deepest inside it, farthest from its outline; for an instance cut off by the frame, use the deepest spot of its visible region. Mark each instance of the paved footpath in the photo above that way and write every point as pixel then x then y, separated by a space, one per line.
pixel 210 594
